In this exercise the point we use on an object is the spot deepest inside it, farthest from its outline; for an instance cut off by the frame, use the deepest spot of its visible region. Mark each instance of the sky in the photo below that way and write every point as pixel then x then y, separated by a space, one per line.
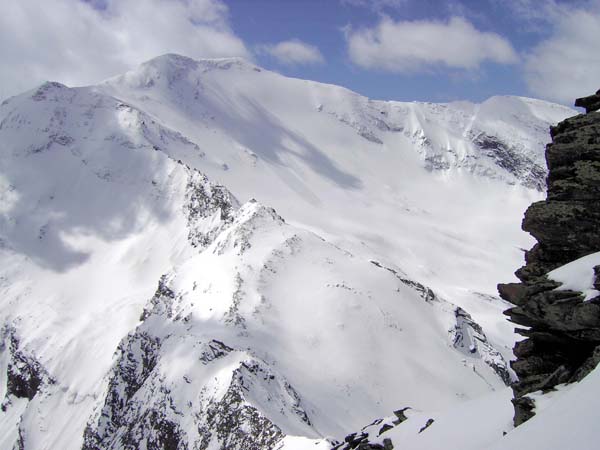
pixel 424 50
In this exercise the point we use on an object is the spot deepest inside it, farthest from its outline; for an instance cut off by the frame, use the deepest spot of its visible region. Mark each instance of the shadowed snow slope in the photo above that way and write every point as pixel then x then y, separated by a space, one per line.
pixel 260 328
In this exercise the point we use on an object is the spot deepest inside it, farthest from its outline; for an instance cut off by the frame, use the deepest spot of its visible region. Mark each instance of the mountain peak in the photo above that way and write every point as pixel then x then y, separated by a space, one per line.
pixel 171 67
pixel 171 61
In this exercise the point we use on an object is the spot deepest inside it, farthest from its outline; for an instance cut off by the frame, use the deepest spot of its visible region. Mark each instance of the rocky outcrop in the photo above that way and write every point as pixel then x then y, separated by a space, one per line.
pixel 512 159
pixel 562 327
pixel 469 338
pixel 25 375
pixel 466 335
pixel 144 407
pixel 209 209
pixel 370 437
pixel 173 388
pixel 590 103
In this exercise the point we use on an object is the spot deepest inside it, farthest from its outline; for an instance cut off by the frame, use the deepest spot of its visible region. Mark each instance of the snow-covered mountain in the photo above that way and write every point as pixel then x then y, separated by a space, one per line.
pixel 369 287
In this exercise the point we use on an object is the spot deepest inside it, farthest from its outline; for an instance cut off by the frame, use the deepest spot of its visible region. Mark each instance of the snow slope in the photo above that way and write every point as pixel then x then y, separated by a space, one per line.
pixel 578 275
pixel 438 189
pixel 565 419
pixel 306 328
pixel 94 217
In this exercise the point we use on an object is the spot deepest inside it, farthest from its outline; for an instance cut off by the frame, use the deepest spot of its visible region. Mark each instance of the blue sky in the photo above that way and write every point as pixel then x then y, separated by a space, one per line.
pixel 427 50
pixel 322 23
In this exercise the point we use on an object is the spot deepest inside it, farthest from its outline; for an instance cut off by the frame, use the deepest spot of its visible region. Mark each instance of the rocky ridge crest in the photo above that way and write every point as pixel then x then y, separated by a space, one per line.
pixel 561 327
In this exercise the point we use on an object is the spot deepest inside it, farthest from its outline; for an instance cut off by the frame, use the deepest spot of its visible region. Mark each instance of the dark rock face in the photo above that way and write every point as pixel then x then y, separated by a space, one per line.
pixel 204 200
pixel 590 103
pixel 123 419
pixel 235 423
pixel 25 375
pixel 147 405
pixel 524 407
pixel 563 339
pixel 512 160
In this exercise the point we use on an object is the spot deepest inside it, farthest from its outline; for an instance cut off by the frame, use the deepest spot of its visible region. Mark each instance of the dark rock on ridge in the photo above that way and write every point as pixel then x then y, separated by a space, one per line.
pixel 524 407
pixel 563 339
pixel 123 420
pixel 590 103
pixel 237 424
pixel 204 200
pixel 144 406
pixel 368 437
pixel 427 425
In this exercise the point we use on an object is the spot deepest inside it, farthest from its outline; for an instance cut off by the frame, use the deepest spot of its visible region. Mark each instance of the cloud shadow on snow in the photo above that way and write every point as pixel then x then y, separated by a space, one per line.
pixel 261 131
pixel 106 185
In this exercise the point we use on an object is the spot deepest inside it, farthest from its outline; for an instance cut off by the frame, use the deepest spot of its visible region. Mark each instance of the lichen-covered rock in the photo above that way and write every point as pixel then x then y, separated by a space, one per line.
pixel 563 331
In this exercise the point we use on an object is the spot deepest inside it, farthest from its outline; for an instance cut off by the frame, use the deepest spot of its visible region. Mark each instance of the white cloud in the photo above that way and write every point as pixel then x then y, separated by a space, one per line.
pixel 71 42
pixel 567 64
pixel 376 5
pixel 537 13
pixel 530 11
pixel 416 46
pixel 293 52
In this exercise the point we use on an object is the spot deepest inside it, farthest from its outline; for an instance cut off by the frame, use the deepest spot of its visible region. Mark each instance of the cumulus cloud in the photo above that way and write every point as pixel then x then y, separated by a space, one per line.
pixel 566 65
pixel 293 52
pixel 416 46
pixel 76 43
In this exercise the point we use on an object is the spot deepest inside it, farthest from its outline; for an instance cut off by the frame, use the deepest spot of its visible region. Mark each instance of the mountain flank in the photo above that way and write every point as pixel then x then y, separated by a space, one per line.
pixel 205 254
